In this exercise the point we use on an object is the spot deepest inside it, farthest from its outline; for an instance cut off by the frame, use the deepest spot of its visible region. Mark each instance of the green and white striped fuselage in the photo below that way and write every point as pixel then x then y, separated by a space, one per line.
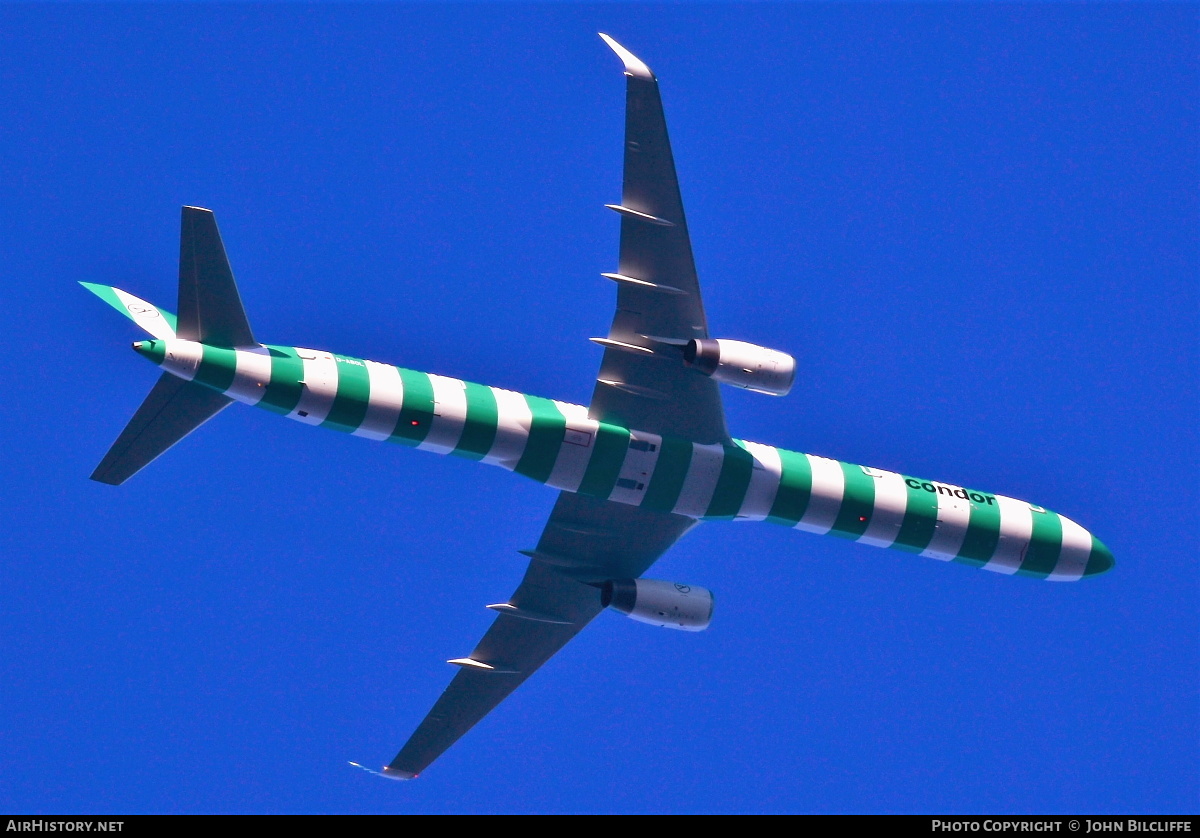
pixel 557 444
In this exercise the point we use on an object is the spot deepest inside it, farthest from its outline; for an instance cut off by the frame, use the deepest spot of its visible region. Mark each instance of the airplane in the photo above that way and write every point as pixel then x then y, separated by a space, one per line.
pixel 646 461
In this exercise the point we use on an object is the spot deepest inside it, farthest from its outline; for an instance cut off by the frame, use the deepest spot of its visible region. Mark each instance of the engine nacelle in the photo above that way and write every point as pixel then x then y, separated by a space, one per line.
pixel 742 365
pixel 665 604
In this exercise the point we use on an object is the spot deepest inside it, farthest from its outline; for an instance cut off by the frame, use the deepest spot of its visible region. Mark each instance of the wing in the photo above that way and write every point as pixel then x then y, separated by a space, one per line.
pixel 586 540
pixel 643 382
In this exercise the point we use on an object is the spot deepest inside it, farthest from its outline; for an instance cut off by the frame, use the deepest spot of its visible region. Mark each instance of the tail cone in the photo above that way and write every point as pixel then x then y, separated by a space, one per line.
pixel 155 350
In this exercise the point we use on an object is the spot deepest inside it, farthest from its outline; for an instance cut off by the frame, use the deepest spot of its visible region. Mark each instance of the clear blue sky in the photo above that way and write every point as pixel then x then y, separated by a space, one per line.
pixel 974 225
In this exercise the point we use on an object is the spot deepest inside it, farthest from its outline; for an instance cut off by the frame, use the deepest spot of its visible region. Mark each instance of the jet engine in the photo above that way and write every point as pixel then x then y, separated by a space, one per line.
pixel 665 604
pixel 742 365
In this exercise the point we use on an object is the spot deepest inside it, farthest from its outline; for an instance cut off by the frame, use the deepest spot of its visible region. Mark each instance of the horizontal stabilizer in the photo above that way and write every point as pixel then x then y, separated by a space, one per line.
pixel 173 410
pixel 210 309
pixel 156 321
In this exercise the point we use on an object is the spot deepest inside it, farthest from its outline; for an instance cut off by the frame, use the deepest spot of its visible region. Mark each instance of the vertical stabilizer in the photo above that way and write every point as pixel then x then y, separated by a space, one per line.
pixel 210 309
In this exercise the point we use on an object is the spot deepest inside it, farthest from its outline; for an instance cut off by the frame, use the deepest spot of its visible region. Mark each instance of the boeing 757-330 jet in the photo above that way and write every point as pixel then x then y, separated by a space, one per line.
pixel 648 459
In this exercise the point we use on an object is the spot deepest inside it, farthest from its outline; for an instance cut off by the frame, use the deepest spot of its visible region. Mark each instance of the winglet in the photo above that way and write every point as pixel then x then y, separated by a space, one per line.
pixel 634 66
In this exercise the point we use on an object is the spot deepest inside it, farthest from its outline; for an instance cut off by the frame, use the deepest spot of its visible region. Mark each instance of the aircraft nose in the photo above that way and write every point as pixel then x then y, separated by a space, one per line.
pixel 1100 561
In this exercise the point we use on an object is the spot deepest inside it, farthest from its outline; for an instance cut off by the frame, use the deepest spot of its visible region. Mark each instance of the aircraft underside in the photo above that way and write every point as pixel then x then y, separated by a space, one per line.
pixel 648 458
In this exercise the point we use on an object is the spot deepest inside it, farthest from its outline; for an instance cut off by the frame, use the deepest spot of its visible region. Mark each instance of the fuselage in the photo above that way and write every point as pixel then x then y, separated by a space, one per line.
pixel 557 444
